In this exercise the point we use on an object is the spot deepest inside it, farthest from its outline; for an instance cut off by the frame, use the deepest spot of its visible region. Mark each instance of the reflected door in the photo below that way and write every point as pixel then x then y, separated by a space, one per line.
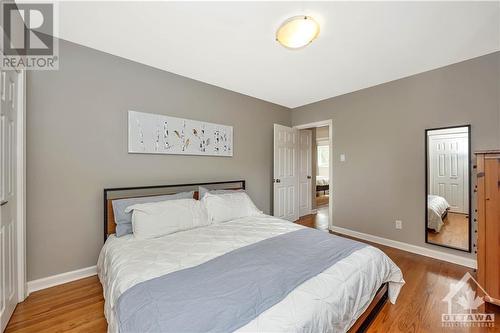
pixel 448 169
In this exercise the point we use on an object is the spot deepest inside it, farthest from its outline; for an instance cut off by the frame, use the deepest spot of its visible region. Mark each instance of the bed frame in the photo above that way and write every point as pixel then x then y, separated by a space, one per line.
pixel 110 194
pixel 364 321
pixel 445 214
pixel 323 188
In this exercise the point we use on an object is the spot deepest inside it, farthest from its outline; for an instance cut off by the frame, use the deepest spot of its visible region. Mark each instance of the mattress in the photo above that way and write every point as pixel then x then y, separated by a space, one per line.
pixel 322 180
pixel 436 207
pixel 330 301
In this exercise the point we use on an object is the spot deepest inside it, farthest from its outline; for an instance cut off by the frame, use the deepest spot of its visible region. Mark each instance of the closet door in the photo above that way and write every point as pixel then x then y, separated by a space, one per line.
pixel 8 240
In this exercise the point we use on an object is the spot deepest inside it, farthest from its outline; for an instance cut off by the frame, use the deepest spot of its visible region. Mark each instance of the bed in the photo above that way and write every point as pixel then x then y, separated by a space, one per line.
pixel 437 209
pixel 322 184
pixel 343 297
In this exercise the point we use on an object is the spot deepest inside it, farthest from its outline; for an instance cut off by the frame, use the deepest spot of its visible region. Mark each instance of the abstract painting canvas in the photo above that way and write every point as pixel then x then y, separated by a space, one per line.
pixel 159 134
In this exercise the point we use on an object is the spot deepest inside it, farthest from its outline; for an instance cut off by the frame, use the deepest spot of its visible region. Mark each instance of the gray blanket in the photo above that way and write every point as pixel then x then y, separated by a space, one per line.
pixel 227 292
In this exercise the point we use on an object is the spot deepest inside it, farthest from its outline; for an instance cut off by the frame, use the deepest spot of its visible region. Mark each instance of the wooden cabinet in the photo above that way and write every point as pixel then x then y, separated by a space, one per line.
pixel 488 218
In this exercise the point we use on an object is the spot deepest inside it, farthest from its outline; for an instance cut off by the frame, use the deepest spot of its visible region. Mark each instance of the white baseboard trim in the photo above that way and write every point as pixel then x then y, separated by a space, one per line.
pixel 58 279
pixel 453 258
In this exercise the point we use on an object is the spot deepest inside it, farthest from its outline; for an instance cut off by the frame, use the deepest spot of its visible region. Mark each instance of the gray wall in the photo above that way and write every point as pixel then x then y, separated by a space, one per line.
pixel 77 145
pixel 381 131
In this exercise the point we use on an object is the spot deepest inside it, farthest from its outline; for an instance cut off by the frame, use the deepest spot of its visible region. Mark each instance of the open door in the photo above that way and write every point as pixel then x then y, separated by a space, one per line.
pixel 286 180
pixel 305 172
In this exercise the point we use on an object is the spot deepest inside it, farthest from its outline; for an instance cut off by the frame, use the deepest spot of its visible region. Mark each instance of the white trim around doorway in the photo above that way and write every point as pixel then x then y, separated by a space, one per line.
pixel 22 290
pixel 323 123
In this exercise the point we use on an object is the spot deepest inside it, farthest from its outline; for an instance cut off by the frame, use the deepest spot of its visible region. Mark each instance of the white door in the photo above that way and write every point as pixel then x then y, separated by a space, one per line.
pixel 305 178
pixel 285 173
pixel 449 169
pixel 8 243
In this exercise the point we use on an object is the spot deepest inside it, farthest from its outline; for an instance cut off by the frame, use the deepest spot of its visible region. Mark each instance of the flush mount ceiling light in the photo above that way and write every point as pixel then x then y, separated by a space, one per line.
pixel 297 32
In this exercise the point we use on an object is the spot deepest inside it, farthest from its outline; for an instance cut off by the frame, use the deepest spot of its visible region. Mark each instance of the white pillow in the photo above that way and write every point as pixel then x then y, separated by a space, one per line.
pixel 155 219
pixel 229 206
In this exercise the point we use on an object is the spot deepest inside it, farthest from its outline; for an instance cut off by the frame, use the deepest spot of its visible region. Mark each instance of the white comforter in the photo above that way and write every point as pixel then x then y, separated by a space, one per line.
pixel 329 302
pixel 322 180
pixel 436 207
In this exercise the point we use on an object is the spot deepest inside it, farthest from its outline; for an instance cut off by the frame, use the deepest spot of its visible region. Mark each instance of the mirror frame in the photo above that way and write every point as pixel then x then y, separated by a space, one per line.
pixel 469 179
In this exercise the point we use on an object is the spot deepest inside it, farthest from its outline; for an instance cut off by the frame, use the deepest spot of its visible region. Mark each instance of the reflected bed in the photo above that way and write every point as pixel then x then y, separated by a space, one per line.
pixel 437 208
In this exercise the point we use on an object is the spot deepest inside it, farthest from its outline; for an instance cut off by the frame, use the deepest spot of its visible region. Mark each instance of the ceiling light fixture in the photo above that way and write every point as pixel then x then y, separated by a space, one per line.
pixel 297 32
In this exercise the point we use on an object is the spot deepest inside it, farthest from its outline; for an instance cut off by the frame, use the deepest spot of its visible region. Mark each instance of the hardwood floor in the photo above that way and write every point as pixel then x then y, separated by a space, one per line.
pixel 419 305
pixel 72 307
pixel 78 306
pixel 318 220
pixel 322 200
pixel 455 231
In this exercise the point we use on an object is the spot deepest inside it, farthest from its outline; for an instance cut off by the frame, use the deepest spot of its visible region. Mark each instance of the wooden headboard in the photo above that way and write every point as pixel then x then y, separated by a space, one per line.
pixel 111 194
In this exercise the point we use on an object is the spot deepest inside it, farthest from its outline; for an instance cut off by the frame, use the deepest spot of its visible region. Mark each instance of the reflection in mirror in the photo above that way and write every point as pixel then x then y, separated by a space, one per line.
pixel 448 187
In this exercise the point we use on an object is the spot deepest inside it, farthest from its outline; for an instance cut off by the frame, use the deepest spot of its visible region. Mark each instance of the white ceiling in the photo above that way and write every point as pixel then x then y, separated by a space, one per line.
pixel 231 44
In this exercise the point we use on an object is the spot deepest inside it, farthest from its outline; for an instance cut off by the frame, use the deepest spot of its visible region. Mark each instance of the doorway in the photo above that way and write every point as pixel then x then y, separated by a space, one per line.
pixel 322 164
pixel 322 184
pixel 302 174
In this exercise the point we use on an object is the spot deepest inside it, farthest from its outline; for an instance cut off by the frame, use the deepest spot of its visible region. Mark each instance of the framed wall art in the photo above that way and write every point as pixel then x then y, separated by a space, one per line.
pixel 159 134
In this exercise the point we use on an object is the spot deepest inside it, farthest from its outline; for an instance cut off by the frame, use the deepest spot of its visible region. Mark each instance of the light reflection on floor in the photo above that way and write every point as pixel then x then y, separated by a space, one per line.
pixel 318 220
pixel 321 220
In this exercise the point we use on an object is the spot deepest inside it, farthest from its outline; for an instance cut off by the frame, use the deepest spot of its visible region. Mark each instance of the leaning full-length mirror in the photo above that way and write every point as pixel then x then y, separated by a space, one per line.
pixel 447 220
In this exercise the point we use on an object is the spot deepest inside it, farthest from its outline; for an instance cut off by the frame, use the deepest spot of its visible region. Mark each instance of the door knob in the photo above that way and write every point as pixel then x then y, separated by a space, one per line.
pixel 4 203
pixel 278 181
pixel 309 177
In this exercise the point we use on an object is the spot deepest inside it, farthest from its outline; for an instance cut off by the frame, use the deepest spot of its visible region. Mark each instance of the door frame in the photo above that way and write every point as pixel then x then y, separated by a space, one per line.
pixel 22 290
pixel 322 123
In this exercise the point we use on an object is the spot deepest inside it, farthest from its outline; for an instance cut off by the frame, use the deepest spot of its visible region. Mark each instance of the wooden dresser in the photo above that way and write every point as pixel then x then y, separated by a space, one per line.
pixel 488 222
